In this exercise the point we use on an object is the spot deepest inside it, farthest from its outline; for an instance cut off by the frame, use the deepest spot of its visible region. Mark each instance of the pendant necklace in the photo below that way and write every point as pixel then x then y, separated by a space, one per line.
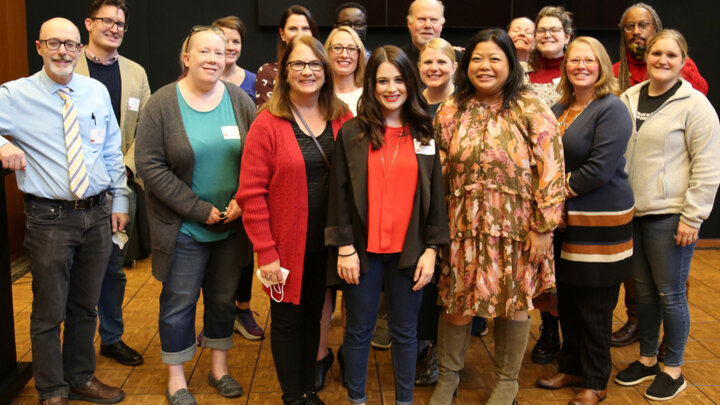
pixel 392 163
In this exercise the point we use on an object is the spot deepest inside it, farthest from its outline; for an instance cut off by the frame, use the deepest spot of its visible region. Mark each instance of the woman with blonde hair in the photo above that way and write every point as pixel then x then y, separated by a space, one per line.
pixel 437 66
pixel 673 170
pixel 192 131
pixel 593 250
pixel 347 61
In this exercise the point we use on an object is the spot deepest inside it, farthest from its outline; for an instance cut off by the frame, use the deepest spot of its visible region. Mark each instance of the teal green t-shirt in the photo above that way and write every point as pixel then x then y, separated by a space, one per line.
pixel 216 143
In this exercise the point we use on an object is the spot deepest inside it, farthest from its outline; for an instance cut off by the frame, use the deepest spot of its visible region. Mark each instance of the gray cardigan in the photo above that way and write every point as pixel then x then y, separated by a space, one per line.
pixel 165 160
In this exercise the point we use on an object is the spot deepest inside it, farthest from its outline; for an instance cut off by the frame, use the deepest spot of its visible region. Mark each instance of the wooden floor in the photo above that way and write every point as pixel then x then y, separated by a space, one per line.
pixel 251 362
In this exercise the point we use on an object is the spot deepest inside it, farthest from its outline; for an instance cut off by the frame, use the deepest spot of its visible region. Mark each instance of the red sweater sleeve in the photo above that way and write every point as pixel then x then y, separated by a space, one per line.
pixel 691 73
pixel 252 194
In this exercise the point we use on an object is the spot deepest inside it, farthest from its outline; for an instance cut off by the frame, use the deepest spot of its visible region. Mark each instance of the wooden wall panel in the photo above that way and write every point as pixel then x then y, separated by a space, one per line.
pixel 14 57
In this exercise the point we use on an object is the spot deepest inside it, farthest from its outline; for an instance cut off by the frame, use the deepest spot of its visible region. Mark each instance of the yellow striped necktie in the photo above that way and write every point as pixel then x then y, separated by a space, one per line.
pixel 77 173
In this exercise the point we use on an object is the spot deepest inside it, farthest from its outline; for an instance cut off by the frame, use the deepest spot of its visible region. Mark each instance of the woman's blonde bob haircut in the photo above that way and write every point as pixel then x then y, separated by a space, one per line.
pixel 441 45
pixel 606 82
pixel 360 69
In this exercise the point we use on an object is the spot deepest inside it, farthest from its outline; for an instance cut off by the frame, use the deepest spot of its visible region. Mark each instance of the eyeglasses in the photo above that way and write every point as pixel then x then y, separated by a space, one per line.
pixel 298 65
pixel 54 44
pixel 553 30
pixel 109 22
pixel 354 25
pixel 351 49
pixel 630 27
pixel 587 62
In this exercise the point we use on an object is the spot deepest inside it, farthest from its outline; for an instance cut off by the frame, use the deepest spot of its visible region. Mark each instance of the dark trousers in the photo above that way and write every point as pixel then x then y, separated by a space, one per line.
pixel 112 293
pixel 586 321
pixel 244 289
pixel 69 251
pixel 295 331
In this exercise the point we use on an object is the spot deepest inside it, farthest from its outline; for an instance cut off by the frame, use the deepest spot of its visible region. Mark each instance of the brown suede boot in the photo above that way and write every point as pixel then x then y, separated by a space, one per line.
pixel 510 341
pixel 453 341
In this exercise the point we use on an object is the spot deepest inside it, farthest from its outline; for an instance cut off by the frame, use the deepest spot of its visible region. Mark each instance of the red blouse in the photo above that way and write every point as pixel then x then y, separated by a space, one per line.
pixel 392 180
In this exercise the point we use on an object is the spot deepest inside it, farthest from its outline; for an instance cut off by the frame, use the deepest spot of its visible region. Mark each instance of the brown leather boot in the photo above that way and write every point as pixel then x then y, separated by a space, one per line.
pixel 54 401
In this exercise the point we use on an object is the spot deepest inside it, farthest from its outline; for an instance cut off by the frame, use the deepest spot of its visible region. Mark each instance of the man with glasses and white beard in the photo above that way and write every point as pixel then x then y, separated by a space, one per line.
pixel 65 152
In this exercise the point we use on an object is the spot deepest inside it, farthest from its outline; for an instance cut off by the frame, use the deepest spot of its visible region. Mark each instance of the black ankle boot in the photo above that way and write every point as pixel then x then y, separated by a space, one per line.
pixel 321 369
pixel 548 345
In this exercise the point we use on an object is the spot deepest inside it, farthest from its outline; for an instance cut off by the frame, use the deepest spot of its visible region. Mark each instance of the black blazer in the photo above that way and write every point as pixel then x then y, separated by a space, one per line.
pixel 348 203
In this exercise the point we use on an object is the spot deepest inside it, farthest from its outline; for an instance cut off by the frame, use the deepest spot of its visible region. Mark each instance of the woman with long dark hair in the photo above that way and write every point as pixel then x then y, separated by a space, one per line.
pixel 295 20
pixel 386 216
pixel 504 174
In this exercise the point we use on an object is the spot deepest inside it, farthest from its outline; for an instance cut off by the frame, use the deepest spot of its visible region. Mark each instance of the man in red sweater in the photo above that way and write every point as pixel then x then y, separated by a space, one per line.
pixel 638 24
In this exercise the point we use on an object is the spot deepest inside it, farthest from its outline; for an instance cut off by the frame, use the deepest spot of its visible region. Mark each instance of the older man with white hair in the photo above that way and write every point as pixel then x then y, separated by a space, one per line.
pixel 65 151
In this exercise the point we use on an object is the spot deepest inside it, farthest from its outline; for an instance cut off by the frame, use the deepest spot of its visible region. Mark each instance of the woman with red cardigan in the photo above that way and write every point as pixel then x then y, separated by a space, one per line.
pixel 283 195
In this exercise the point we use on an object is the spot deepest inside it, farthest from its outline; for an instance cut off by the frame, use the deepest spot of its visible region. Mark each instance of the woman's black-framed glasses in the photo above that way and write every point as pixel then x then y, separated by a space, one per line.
pixel 298 65
pixel 351 49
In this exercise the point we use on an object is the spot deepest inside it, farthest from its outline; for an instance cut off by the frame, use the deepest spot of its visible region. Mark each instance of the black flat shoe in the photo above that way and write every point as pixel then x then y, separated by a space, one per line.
pixel 321 369
pixel 122 353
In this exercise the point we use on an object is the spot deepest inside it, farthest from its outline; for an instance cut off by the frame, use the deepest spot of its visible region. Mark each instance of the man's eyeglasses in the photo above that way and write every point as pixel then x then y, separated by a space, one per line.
pixel 298 65
pixel 109 22
pixel 54 44
pixel 553 30
pixel 351 49
pixel 630 27
pixel 354 25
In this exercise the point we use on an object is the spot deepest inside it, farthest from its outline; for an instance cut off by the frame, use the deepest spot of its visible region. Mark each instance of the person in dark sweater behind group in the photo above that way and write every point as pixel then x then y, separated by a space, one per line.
pixel 129 90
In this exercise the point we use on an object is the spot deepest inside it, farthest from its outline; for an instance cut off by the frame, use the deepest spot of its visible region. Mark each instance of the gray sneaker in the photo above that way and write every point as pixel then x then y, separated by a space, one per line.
pixel 180 397
pixel 381 339
pixel 226 385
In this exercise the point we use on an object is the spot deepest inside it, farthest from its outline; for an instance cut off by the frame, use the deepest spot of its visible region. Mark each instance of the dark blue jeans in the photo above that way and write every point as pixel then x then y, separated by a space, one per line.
pixel 213 267
pixel 361 302
pixel 112 293
pixel 660 270
pixel 69 251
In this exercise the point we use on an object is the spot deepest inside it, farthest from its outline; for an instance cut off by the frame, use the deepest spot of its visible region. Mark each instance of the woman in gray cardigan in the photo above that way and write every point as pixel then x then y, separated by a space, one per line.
pixel 188 149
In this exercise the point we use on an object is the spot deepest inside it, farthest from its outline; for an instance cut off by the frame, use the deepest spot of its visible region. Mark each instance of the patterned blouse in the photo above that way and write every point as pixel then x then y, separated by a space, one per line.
pixel 504 169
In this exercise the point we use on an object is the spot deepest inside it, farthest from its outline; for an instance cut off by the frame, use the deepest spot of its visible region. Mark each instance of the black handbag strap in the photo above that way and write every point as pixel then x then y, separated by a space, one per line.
pixel 310 132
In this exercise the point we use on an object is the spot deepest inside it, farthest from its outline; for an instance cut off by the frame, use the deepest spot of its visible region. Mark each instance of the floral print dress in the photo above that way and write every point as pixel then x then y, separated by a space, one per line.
pixel 504 174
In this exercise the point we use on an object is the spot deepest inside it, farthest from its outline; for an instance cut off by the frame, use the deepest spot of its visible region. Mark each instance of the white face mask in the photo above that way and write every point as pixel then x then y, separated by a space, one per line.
pixel 277 289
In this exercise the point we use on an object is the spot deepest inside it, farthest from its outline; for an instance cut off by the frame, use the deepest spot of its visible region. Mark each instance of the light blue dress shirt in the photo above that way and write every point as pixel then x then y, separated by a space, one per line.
pixel 31 113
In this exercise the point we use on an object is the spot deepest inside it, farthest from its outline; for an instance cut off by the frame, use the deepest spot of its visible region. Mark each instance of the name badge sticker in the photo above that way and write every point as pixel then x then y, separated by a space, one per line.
pixel 133 104
pixel 421 149
pixel 230 132
pixel 97 135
